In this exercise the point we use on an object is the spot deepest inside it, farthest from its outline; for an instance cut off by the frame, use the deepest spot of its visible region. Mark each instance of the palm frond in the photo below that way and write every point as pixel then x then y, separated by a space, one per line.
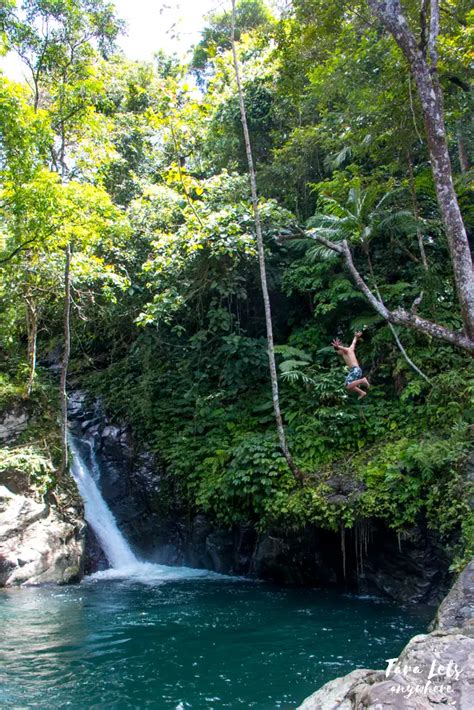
pixel 332 162
pixel 297 375
pixel 288 351
pixel 320 253
pixel 389 196
pixel 402 221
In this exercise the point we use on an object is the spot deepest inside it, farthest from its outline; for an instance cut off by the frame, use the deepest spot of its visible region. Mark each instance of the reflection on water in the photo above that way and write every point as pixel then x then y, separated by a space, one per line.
pixel 201 644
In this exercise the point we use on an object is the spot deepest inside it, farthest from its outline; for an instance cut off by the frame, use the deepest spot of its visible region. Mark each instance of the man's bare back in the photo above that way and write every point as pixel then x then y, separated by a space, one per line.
pixel 354 379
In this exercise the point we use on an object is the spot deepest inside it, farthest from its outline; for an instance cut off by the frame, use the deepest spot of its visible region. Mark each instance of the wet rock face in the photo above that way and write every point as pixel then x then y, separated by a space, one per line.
pixel 457 609
pixel 129 480
pixel 304 558
pixel 435 670
pixel 12 423
pixel 414 569
pixel 37 545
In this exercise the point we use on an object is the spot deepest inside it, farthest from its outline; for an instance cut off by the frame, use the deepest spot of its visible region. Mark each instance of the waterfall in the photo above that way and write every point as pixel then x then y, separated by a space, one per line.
pixel 97 513
pixel 123 562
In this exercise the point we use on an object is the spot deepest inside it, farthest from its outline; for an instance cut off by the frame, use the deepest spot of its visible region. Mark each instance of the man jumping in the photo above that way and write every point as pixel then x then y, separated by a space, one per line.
pixel 354 379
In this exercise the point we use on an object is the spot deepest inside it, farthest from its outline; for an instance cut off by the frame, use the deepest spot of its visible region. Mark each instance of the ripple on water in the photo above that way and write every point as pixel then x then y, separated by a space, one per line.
pixel 197 642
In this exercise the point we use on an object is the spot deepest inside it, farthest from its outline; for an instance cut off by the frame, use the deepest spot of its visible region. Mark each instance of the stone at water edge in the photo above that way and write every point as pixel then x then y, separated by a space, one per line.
pixel 335 694
pixel 371 689
pixel 457 608
pixel 448 643
pixel 36 545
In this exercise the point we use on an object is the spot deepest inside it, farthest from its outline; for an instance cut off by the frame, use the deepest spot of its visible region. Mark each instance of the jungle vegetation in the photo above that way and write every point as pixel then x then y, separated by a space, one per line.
pixel 127 227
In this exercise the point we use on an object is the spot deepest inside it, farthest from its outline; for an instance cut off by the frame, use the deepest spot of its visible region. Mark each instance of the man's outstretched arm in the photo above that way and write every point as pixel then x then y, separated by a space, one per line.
pixel 355 340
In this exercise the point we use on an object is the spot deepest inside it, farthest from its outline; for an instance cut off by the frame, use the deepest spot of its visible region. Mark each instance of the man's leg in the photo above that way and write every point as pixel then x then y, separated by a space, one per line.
pixel 363 381
pixel 353 388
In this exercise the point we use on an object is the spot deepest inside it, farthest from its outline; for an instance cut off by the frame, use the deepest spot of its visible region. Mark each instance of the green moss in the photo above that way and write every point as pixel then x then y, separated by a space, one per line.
pixel 35 453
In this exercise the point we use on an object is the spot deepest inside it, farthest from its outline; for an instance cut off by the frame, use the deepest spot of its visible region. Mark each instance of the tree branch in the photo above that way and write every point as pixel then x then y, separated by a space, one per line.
pixel 399 316
pixel 15 251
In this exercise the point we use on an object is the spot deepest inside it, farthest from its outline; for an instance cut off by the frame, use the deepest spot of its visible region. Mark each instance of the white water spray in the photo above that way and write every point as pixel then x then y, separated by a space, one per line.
pixel 97 513
pixel 123 562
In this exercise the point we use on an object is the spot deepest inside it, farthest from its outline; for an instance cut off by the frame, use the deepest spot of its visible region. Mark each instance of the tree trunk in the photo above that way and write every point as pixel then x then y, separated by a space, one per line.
pixel 263 273
pixel 65 360
pixel 32 334
pixel 425 75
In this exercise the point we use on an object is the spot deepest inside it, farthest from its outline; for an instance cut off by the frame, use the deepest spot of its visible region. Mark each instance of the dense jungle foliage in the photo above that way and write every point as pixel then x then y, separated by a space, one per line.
pixel 141 169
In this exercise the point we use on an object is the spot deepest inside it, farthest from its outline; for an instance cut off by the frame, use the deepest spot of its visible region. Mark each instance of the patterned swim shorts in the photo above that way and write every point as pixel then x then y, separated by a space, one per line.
pixel 355 373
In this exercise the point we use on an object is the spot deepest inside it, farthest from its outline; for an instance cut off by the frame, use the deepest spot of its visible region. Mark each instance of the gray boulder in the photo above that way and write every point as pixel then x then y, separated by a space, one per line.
pixel 337 693
pixel 12 423
pixel 37 545
pixel 457 608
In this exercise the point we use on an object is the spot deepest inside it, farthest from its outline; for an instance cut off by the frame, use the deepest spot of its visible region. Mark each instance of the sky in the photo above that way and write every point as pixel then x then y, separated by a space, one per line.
pixel 155 24
pixel 151 25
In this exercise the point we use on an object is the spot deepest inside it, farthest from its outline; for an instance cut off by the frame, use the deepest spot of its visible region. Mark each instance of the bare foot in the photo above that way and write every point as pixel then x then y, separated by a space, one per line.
pixel 362 395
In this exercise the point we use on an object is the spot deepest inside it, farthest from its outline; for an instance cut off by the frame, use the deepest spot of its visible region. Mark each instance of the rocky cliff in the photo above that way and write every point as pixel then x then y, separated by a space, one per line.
pixel 42 538
pixel 38 543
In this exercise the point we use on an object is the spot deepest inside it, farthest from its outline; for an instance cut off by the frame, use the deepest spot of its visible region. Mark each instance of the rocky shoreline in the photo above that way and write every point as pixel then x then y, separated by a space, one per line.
pixel 434 670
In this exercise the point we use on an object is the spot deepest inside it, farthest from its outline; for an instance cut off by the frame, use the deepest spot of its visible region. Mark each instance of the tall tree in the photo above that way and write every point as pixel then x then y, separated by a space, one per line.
pixel 422 57
pixel 261 257
pixel 58 42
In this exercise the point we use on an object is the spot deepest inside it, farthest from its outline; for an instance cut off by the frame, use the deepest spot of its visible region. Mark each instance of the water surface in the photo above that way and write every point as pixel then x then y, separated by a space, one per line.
pixel 204 644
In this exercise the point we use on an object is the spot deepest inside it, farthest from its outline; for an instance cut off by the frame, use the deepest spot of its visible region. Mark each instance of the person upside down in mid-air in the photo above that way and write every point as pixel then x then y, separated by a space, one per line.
pixel 354 379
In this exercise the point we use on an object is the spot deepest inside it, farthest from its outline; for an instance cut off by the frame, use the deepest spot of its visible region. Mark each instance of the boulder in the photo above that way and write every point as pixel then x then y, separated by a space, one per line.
pixel 37 545
pixel 457 608
pixel 337 693
pixel 12 423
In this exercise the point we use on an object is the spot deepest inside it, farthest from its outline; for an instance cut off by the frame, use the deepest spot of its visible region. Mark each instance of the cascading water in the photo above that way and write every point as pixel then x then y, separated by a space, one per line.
pixel 98 514
pixel 123 562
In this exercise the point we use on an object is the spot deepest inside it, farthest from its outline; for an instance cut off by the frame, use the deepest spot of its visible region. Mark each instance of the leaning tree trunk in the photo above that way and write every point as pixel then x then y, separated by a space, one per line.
pixel 261 258
pixel 399 316
pixel 65 360
pixel 423 65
